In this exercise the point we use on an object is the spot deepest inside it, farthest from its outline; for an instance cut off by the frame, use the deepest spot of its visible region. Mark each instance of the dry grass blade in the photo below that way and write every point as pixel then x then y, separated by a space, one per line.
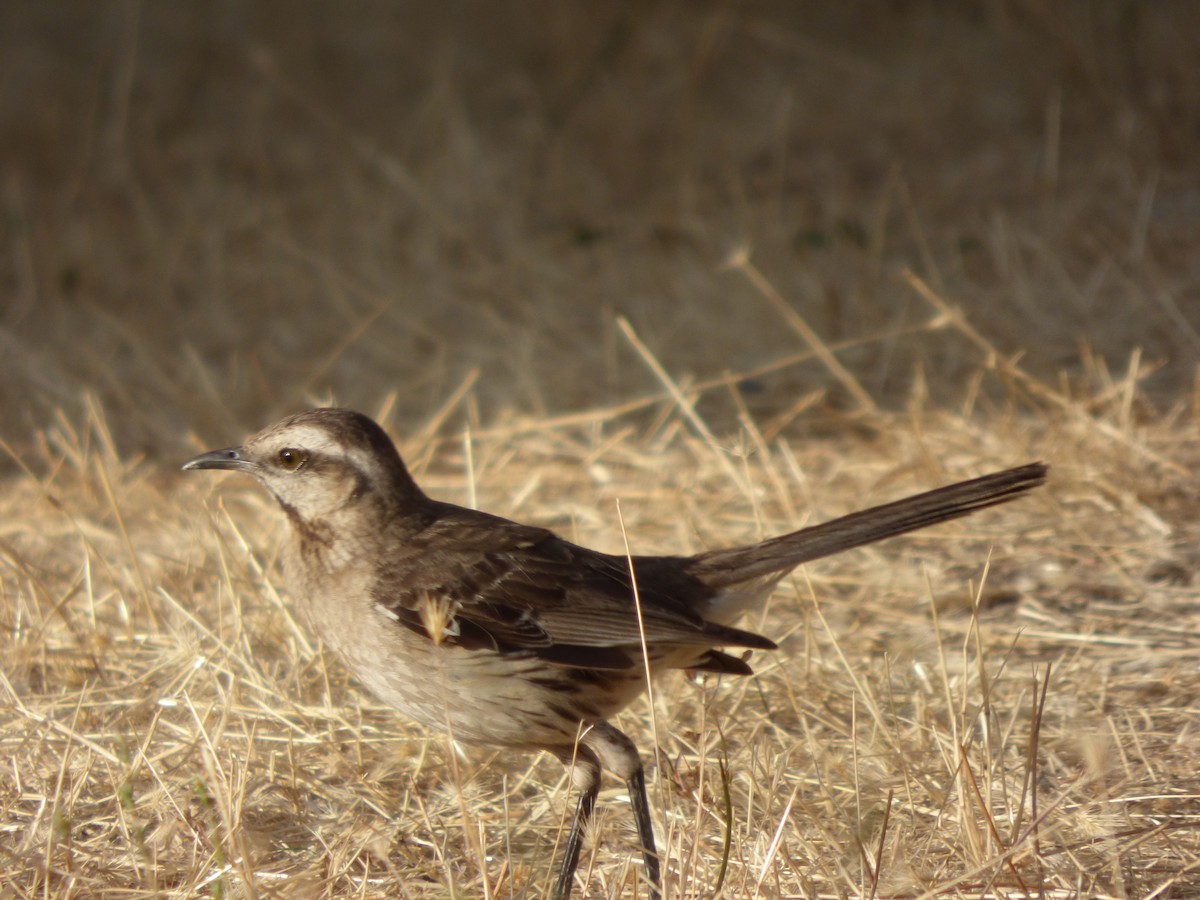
pixel 740 261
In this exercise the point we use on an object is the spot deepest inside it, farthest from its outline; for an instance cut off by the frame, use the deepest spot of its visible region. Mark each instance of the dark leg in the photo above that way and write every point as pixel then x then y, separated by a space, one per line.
pixel 641 815
pixel 618 754
pixel 586 775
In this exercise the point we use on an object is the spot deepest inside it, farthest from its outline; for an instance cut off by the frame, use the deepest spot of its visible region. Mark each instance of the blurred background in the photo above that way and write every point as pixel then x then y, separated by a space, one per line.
pixel 213 213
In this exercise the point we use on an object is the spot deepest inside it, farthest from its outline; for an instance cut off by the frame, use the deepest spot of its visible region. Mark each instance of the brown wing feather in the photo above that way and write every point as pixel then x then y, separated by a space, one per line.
pixel 516 589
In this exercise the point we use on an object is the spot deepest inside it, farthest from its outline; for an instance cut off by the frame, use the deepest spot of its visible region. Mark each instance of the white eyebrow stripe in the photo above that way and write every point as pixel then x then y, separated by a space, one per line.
pixel 314 439
pixel 363 460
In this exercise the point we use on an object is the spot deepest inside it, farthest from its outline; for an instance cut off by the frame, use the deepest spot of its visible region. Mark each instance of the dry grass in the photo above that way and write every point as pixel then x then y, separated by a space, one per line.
pixel 522 254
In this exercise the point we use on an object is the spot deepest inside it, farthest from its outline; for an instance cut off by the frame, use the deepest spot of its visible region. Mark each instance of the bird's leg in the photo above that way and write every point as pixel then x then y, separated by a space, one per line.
pixel 619 754
pixel 585 773
pixel 641 816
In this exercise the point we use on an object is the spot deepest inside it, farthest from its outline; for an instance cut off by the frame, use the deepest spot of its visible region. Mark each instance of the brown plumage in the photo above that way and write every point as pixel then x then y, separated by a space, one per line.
pixel 505 634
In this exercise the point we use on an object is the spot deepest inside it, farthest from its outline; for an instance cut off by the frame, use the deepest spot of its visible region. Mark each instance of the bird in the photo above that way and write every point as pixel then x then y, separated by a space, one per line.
pixel 507 635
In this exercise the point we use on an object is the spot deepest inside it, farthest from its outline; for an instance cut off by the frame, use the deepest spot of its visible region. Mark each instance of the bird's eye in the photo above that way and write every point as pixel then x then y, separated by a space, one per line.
pixel 291 459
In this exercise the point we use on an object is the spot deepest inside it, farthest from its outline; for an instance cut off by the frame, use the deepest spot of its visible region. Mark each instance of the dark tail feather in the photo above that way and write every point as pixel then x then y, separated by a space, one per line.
pixel 736 565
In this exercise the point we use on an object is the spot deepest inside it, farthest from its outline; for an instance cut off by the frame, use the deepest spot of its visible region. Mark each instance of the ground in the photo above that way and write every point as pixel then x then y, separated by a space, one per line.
pixel 736 267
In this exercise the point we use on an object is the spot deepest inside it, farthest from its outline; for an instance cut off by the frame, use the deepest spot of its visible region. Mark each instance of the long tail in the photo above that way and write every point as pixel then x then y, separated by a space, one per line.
pixel 739 565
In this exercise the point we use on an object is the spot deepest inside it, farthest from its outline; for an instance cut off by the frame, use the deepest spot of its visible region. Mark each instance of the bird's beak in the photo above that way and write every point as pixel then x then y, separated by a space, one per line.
pixel 229 458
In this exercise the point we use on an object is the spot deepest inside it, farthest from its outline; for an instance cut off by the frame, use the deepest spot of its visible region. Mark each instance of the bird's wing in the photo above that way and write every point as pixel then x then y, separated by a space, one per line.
pixel 477 581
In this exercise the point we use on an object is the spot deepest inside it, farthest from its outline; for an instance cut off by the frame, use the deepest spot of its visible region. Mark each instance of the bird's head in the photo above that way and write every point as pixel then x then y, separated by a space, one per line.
pixel 319 462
